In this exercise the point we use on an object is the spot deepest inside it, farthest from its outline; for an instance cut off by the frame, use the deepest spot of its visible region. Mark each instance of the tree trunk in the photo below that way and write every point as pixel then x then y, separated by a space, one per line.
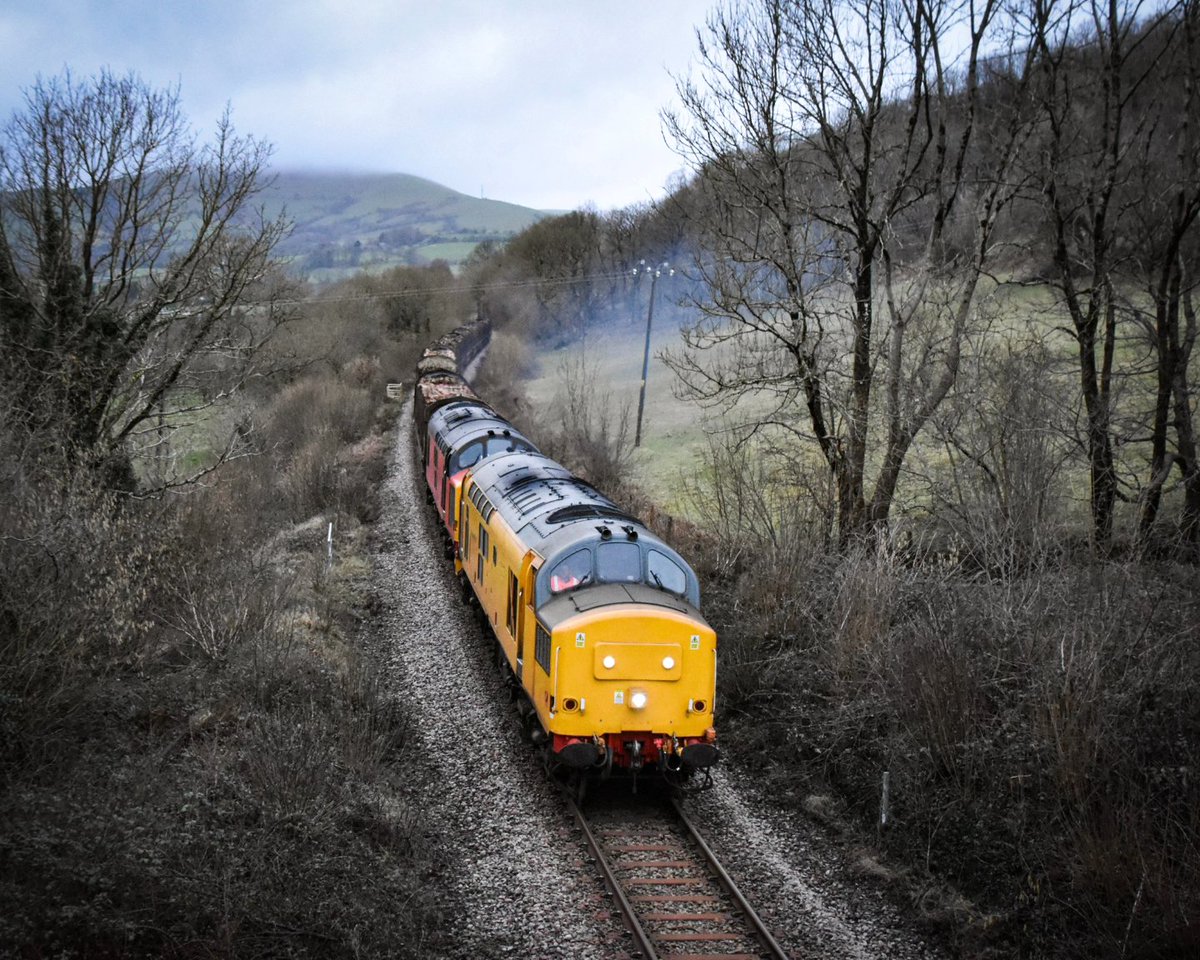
pixel 1166 325
pixel 1100 452
pixel 1185 430
pixel 852 507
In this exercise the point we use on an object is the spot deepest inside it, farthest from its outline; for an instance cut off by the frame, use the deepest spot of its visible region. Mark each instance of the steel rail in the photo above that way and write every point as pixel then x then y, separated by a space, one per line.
pixel 640 937
pixel 726 881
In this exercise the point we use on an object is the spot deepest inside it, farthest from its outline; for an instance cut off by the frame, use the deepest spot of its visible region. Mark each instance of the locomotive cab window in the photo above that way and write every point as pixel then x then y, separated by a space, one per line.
pixel 665 573
pixel 467 457
pixel 497 445
pixel 618 563
pixel 475 451
pixel 572 572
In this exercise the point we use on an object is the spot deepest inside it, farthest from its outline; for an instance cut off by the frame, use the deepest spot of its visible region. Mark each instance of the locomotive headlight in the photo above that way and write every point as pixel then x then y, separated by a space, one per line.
pixel 609 662
pixel 668 663
pixel 637 699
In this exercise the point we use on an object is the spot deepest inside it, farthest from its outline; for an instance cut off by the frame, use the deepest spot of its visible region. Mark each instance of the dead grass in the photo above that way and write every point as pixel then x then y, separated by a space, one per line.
pixel 1037 720
pixel 1040 731
pixel 197 757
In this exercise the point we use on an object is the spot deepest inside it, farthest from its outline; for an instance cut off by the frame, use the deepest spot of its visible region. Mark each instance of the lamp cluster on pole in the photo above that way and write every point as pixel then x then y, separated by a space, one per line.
pixel 655 272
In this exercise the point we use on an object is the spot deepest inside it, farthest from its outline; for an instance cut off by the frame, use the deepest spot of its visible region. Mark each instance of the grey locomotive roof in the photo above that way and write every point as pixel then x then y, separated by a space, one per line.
pixel 544 502
pixel 555 513
pixel 457 423
pixel 567 605
pixel 550 508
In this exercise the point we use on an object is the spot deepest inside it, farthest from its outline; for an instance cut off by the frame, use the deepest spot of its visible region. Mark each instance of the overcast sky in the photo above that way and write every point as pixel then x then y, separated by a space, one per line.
pixel 546 103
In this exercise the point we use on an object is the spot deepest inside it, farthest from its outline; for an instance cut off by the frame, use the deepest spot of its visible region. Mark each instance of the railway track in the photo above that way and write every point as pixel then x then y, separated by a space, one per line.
pixel 674 897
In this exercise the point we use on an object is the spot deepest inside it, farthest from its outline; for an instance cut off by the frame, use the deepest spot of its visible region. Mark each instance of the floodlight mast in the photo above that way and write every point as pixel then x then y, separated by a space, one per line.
pixel 655 273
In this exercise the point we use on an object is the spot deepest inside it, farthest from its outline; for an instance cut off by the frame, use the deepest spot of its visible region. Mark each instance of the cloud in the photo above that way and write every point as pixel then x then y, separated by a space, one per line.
pixel 538 102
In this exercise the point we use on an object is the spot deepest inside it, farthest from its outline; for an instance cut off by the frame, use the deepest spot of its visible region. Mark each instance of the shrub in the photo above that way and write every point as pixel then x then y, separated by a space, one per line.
pixel 586 432
pixel 193 758
pixel 1038 720
pixel 310 480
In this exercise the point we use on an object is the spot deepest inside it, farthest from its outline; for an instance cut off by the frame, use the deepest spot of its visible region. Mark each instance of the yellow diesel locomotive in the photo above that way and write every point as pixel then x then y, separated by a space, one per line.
pixel 596 618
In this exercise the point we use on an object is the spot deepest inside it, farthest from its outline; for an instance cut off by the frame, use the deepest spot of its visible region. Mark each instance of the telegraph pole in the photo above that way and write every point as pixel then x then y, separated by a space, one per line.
pixel 655 273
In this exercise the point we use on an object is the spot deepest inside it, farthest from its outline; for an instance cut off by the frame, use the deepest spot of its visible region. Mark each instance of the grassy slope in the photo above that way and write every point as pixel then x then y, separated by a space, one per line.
pixel 341 208
pixel 675 431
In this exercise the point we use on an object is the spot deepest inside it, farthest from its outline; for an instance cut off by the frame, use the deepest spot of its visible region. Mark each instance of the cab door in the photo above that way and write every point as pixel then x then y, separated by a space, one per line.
pixel 525 618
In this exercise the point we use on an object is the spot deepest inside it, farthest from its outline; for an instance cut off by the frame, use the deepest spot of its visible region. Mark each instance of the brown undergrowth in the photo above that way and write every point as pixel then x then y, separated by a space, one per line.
pixel 1038 726
pixel 197 756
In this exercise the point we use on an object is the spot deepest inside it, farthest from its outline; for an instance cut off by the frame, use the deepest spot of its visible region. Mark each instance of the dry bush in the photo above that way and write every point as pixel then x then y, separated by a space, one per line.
pixel 309 480
pixel 1036 731
pixel 1005 439
pixel 363 466
pixel 866 585
pixel 78 573
pixel 208 609
pixel 362 372
pixel 315 405
pixel 1037 716
pixel 237 790
pixel 326 477
pixel 261 831
pixel 767 526
pixel 1016 730
pixel 377 726
pixel 193 759
pixel 930 676
pixel 586 431
pixel 326 458
pixel 75 562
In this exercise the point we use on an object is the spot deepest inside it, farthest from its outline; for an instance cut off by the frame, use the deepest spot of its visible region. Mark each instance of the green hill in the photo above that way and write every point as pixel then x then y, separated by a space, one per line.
pixel 346 221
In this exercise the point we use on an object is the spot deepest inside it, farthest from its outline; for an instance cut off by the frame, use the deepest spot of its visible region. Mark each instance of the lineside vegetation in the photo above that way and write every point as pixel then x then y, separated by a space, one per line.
pixel 197 753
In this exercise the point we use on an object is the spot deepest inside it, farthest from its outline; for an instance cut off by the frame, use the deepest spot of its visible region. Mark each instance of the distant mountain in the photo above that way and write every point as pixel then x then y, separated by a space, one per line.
pixel 347 221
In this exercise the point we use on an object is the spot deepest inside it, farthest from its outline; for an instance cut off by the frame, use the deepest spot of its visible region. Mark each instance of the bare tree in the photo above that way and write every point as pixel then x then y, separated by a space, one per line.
pixel 995 481
pixel 1164 212
pixel 130 260
pixel 1092 66
pixel 592 432
pixel 848 218
pixel 558 260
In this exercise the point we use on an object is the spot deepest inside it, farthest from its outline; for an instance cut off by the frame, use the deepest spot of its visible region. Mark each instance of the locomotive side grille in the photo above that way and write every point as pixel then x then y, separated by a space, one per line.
pixel 541 649
pixel 482 503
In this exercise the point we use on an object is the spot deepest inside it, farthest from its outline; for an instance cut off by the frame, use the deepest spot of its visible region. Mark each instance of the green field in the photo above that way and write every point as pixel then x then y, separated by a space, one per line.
pixel 673 430
pixel 346 222
pixel 1018 319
